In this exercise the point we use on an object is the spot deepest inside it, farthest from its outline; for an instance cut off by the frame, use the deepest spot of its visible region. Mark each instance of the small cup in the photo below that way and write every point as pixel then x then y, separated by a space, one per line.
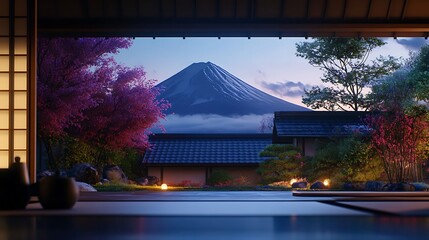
pixel 57 192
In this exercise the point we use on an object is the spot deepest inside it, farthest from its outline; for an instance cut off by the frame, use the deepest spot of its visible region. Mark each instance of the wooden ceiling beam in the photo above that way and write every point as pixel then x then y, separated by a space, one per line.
pixel 119 9
pixel 235 8
pixel 244 21
pixel 194 13
pixel 103 9
pixel 175 8
pixel 404 9
pixel 282 9
pixel 160 9
pixel 227 29
pixel 307 3
pixel 389 9
pixel 217 8
pixel 368 13
pixel 85 8
pixel 252 9
pixel 345 9
pixel 325 7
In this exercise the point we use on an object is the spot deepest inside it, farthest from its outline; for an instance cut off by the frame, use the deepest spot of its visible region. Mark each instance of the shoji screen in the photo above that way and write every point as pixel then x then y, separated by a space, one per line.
pixel 17 79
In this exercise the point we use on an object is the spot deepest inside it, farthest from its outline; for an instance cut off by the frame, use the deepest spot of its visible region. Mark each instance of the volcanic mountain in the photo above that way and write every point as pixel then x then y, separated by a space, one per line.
pixel 205 88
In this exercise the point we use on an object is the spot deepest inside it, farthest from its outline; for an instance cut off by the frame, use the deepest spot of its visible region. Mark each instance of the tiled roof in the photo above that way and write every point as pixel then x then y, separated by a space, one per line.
pixel 318 124
pixel 206 148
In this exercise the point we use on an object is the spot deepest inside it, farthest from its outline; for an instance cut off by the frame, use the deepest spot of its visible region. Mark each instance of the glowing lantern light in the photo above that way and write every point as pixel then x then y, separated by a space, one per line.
pixel 326 182
pixel 164 186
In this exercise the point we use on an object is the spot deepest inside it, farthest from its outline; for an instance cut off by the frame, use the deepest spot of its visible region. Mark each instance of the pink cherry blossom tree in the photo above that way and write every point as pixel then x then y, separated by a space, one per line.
pixel 401 142
pixel 126 109
pixel 82 90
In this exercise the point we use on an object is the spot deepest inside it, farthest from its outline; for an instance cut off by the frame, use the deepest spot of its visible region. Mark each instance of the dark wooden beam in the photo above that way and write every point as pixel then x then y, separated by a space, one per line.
pixel 235 8
pixel 226 28
pixel 11 78
pixel 160 9
pixel 325 7
pixel 195 9
pixel 404 9
pixel 251 8
pixel 103 9
pixel 368 13
pixel 56 7
pixel 389 9
pixel 175 8
pixel 281 9
pixel 345 8
pixel 217 8
pixel 308 8
pixel 119 8
pixel 138 7
pixel 85 8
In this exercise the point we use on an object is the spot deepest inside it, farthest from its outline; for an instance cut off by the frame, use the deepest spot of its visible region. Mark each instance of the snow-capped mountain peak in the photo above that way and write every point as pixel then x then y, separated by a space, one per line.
pixel 205 88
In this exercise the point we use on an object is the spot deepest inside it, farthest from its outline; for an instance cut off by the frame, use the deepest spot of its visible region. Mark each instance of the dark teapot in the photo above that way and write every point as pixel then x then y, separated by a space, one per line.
pixel 14 186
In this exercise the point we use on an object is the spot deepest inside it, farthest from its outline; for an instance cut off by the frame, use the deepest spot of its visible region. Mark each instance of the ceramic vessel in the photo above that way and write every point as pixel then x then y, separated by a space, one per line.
pixel 14 186
pixel 57 192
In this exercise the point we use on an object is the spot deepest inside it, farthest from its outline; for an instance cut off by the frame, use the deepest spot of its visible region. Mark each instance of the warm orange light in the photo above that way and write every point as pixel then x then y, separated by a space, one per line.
pixel 164 186
pixel 327 182
pixel 293 180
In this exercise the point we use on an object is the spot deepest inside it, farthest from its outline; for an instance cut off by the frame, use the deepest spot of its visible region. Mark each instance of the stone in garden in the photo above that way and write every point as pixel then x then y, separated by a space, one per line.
pixel 104 181
pixel 374 185
pixel 43 174
pixel 355 186
pixel 348 186
pixel 85 187
pixel 406 187
pixel 299 185
pixel 358 186
pixel 421 187
pixel 142 181
pixel 152 180
pixel 84 172
pixel 318 185
pixel 114 173
pixel 46 173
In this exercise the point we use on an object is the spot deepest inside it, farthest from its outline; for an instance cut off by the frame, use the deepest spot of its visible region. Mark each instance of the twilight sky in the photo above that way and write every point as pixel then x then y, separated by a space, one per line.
pixel 269 64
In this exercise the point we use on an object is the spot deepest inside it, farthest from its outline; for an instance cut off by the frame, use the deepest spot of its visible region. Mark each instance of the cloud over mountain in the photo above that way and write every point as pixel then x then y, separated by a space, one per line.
pixel 286 89
pixel 212 123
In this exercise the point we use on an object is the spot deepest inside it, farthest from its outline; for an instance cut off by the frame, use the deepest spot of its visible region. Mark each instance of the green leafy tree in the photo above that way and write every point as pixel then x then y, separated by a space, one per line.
pixel 402 90
pixel 394 92
pixel 344 62
pixel 357 162
pixel 400 132
pixel 344 160
pixel 420 73
pixel 74 151
pixel 219 178
pixel 285 162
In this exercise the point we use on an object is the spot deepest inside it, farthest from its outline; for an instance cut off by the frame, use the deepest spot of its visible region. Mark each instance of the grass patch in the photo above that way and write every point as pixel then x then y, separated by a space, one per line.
pixel 120 187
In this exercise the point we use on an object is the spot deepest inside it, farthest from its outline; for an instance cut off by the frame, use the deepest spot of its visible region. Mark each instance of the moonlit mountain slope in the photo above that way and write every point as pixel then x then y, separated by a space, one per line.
pixel 205 88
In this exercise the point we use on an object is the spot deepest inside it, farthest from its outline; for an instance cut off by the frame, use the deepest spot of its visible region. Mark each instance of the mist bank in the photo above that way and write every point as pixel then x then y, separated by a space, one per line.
pixel 212 123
